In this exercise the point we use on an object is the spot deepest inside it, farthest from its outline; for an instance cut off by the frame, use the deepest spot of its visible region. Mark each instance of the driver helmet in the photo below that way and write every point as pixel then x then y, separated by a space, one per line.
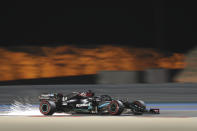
pixel 89 93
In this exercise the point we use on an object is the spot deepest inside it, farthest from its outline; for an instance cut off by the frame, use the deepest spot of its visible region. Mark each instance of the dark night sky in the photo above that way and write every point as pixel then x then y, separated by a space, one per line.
pixel 133 26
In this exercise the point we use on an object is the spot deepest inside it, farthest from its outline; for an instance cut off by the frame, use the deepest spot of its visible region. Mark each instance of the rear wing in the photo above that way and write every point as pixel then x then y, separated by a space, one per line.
pixel 48 97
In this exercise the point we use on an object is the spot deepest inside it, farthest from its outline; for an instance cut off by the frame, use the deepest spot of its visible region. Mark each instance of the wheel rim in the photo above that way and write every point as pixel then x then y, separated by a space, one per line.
pixel 45 107
pixel 140 106
pixel 113 108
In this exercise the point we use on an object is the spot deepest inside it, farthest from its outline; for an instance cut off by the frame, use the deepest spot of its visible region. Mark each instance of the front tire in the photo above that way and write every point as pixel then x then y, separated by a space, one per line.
pixel 47 107
pixel 139 107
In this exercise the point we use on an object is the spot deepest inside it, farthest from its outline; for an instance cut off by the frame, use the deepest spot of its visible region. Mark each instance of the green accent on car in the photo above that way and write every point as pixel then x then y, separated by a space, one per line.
pixel 46 107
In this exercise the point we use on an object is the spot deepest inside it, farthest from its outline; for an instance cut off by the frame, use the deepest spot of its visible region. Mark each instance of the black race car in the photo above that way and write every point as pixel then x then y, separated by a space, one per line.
pixel 86 102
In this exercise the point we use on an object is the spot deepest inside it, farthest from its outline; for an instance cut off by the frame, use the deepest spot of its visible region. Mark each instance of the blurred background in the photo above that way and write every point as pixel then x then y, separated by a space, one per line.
pixel 47 43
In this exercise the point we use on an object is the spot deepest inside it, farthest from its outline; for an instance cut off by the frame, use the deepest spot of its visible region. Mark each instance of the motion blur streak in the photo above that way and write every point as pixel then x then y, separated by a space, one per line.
pixel 25 62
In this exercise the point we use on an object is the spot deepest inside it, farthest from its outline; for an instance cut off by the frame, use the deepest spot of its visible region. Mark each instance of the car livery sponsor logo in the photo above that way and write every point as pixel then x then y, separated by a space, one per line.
pixel 82 105
pixel 64 98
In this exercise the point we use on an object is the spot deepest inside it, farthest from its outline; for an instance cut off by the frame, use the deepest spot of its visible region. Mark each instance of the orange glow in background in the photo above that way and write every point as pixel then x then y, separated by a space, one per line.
pixel 44 62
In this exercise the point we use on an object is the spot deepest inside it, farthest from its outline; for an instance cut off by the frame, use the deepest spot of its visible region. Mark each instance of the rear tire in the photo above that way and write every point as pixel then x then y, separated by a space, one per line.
pixel 47 107
pixel 115 107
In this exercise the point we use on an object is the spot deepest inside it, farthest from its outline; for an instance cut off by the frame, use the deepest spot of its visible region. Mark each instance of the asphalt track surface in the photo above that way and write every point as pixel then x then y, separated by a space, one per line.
pixel 173 117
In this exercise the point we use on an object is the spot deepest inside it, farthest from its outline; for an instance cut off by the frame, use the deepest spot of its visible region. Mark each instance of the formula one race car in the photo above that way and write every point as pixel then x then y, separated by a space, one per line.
pixel 86 102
